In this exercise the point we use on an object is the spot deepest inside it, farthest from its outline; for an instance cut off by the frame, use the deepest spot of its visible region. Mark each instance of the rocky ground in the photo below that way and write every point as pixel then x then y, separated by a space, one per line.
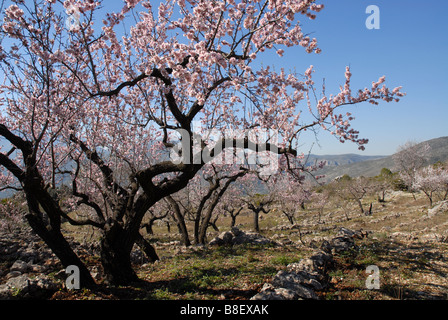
pixel 28 268
pixel 321 257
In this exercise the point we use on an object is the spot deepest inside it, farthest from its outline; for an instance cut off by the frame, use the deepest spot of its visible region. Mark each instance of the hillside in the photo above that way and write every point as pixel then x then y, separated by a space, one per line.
pixel 340 159
pixel 372 167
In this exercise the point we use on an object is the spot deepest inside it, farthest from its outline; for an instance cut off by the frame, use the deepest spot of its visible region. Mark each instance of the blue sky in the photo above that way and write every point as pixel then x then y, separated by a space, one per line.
pixel 410 49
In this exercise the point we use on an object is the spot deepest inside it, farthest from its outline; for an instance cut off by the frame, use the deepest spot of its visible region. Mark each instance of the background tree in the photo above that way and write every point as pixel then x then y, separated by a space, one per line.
pixel 233 211
pixel 258 197
pixel 231 204
pixel 431 180
pixel 259 203
pixel 320 198
pixel 199 200
pixel 383 182
pixel 354 189
pixel 290 194
pixel 409 158
pixel 153 217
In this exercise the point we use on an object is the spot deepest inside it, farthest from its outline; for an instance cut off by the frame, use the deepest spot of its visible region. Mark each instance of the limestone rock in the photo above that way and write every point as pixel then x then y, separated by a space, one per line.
pixel 340 244
pixel 439 208
pixel 20 266
pixel 24 287
pixel 300 279
pixel 269 292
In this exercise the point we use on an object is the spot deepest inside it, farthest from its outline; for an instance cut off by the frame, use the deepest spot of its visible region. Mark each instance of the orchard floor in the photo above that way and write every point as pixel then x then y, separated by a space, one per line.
pixel 409 247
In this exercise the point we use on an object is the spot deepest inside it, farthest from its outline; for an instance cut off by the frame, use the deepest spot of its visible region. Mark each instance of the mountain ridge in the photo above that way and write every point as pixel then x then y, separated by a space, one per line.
pixel 372 167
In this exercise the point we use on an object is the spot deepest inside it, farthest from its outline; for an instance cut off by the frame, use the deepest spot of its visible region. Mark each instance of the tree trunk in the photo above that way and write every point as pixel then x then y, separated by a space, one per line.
pixel 233 214
pixel 197 226
pixel 180 221
pixel 360 205
pixel 116 246
pixel 233 222
pixel 206 222
pixel 48 226
pixel 148 227
pixel 147 248
pixel 204 226
pixel 61 248
pixel 214 226
pixel 256 225
pixel 369 213
pixel 290 219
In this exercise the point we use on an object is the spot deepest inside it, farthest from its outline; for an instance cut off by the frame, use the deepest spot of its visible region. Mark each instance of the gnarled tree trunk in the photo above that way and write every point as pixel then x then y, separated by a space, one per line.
pixel 116 246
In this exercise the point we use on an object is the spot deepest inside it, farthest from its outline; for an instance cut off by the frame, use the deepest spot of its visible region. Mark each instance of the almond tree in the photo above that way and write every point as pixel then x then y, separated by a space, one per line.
pixel 408 159
pixel 259 203
pixel 233 211
pixel 320 200
pixel 257 196
pixel 430 180
pixel 354 189
pixel 382 183
pixel 99 100
pixel 290 193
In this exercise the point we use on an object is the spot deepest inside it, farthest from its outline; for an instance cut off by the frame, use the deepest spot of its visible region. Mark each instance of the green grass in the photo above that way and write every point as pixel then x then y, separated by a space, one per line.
pixel 211 273
pixel 284 260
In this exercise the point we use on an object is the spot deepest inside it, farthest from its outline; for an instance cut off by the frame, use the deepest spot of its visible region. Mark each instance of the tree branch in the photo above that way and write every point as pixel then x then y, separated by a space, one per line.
pixel 23 145
pixel 107 172
pixel 12 167
pixel 84 197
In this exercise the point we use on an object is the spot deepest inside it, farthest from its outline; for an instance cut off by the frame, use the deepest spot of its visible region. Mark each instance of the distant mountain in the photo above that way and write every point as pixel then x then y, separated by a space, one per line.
pixel 340 159
pixel 372 167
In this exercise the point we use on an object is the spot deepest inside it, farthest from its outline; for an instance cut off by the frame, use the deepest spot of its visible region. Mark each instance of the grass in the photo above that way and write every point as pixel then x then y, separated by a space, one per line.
pixel 284 260
pixel 214 273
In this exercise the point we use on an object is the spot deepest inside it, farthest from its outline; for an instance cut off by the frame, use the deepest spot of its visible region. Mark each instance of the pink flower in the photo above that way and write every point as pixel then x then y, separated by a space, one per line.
pixel 309 71
pixel 396 90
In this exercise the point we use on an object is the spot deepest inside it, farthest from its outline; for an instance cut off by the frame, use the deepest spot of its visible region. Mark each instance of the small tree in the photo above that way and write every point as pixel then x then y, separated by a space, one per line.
pixel 259 203
pixel 200 199
pixel 291 193
pixel 354 189
pixel 409 158
pixel 233 212
pixel 153 217
pixel 383 182
pixel 232 204
pixel 430 180
pixel 320 200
